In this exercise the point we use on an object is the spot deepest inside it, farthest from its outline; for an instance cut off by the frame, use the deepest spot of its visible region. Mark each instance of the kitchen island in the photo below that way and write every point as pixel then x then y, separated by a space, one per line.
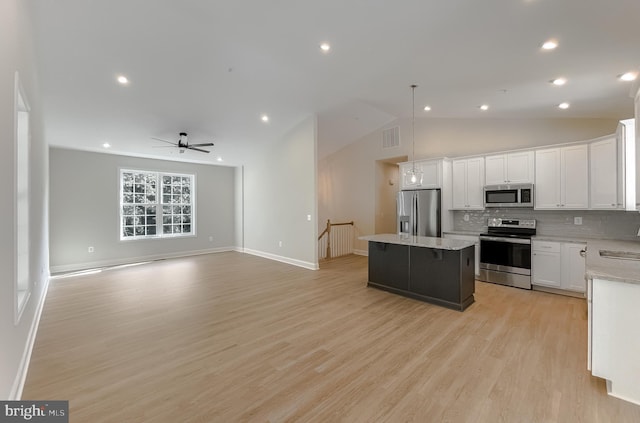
pixel 613 295
pixel 435 270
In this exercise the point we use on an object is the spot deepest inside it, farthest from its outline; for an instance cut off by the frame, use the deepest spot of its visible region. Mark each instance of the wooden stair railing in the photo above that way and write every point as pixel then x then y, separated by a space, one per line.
pixel 327 231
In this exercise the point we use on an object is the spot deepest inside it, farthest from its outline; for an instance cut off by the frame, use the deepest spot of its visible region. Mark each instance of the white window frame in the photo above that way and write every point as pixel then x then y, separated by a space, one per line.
pixel 22 192
pixel 160 215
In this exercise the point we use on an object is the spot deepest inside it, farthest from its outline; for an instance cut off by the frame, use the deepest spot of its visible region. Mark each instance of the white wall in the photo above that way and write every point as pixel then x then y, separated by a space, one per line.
pixel 279 192
pixel 239 208
pixel 347 188
pixel 17 53
pixel 84 210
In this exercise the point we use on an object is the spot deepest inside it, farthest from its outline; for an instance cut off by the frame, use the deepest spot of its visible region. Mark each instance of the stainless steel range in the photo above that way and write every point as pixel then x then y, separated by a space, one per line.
pixel 505 252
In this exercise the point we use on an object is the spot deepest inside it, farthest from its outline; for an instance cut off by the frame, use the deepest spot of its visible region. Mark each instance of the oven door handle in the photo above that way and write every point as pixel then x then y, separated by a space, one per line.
pixel 509 240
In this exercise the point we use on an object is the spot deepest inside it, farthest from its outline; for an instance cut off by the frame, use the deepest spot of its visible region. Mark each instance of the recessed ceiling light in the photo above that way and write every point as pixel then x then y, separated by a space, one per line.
pixel 219 159
pixel 123 80
pixel 264 118
pixel 325 47
pixel 559 81
pixel 549 45
pixel 106 145
pixel 629 76
pixel 427 108
pixel 564 105
pixel 484 107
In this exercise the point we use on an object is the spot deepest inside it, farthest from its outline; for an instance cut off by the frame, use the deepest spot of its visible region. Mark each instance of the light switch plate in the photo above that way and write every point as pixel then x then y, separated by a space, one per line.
pixel 577 220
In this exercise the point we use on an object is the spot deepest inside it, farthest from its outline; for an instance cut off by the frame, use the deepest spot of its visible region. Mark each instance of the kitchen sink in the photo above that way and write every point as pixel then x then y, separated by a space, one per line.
pixel 622 255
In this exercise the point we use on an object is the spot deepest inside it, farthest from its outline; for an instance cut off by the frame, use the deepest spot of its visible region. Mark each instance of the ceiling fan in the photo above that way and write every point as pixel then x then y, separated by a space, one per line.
pixel 183 144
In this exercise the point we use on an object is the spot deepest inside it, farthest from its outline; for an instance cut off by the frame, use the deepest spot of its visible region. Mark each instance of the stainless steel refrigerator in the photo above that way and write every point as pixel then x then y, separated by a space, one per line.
pixel 419 212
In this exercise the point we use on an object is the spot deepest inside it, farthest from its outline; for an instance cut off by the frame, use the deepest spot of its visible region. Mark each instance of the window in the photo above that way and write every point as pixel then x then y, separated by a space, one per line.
pixel 155 205
pixel 22 248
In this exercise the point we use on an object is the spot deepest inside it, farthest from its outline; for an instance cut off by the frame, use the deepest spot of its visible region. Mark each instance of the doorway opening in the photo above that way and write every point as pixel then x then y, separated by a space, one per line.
pixel 387 182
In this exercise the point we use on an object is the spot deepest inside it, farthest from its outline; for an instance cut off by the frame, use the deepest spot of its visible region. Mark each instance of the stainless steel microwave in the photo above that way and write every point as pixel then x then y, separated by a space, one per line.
pixel 513 195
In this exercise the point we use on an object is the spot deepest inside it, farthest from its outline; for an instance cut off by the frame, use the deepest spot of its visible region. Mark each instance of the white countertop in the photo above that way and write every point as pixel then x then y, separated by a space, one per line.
pixel 420 241
pixel 466 233
pixel 558 238
pixel 612 269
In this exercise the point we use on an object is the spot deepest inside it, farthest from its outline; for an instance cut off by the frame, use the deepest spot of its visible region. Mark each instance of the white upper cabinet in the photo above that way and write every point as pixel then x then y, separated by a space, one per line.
pixel 562 178
pixel 547 185
pixel 468 184
pixel 509 168
pixel 430 170
pixel 606 185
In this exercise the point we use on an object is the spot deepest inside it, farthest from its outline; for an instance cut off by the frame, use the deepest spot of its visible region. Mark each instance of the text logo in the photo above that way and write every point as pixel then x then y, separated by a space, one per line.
pixel 34 411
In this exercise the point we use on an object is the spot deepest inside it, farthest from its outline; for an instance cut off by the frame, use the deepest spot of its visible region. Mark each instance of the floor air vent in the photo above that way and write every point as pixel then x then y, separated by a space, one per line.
pixel 391 137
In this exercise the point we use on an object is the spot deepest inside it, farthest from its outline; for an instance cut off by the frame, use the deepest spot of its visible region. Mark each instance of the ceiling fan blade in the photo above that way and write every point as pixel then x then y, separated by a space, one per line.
pixel 197 149
pixel 160 139
pixel 206 144
pixel 163 146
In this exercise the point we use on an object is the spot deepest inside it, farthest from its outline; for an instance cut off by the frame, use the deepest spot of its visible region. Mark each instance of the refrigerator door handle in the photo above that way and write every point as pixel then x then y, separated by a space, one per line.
pixel 415 215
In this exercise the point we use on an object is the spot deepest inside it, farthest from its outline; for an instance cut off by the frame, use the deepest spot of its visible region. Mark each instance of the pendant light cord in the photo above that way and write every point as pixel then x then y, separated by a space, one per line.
pixel 413 126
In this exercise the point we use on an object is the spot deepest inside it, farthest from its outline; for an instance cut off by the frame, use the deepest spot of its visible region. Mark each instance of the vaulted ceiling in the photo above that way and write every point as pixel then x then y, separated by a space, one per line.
pixel 213 68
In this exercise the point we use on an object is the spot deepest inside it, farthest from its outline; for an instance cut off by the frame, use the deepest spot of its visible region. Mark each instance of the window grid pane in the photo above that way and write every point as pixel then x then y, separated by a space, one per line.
pixel 142 215
pixel 176 204
pixel 138 204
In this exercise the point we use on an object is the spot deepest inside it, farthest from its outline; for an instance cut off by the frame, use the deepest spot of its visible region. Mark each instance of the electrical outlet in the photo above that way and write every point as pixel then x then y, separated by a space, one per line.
pixel 309 217
pixel 577 220
pixel 279 243
pixel 210 239
pixel 90 250
pixel 466 217
pixel 638 232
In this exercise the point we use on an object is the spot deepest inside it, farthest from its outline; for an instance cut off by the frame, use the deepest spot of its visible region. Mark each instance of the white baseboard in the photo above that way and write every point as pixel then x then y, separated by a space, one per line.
pixel 361 252
pixel 18 384
pixel 288 260
pixel 130 260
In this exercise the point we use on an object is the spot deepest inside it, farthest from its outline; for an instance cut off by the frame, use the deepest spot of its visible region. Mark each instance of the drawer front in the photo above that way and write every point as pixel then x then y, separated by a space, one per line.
pixel 548 246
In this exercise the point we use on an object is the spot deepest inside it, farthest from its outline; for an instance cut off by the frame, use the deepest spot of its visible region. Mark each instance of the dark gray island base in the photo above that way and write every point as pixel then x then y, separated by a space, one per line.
pixel 435 270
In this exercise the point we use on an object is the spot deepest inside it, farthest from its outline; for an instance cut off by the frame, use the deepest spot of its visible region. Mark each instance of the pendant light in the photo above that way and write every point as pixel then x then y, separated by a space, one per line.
pixel 413 175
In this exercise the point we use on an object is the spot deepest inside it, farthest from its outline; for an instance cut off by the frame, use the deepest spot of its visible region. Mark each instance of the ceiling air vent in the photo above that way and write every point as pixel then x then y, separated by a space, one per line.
pixel 391 137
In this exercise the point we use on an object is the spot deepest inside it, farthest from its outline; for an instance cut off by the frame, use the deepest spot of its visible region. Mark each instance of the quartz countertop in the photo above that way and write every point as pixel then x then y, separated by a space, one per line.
pixel 467 233
pixel 613 269
pixel 420 241
pixel 559 238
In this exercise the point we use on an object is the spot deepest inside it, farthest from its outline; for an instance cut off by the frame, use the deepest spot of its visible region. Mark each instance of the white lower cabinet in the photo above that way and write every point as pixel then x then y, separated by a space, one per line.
pixel 615 344
pixel 545 264
pixel 471 238
pixel 558 265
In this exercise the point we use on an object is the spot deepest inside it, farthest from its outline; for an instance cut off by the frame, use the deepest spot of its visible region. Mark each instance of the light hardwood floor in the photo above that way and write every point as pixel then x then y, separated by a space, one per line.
pixel 230 337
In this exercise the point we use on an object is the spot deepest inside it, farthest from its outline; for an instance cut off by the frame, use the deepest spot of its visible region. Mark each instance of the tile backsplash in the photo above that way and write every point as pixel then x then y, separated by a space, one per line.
pixel 595 224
